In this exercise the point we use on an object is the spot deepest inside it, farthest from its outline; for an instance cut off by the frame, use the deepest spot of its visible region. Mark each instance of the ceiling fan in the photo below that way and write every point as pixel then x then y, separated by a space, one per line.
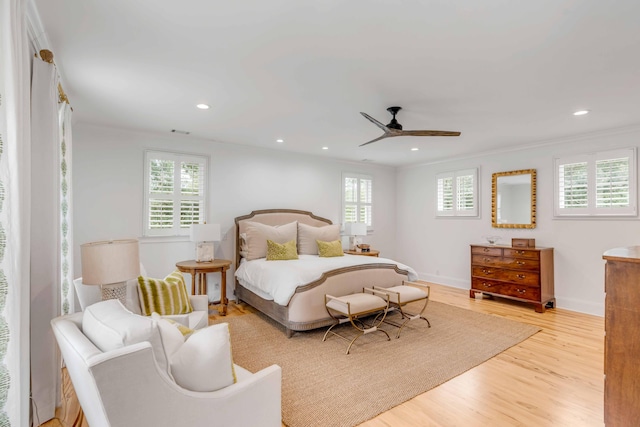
pixel 395 129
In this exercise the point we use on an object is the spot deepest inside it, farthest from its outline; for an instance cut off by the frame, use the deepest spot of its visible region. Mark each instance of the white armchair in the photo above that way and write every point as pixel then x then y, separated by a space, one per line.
pixel 126 387
pixel 198 318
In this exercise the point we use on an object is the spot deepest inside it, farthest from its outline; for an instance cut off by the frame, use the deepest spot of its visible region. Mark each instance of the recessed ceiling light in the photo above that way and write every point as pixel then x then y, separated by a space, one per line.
pixel 279 141
pixel 414 149
pixel 203 106
pixel 325 148
pixel 581 113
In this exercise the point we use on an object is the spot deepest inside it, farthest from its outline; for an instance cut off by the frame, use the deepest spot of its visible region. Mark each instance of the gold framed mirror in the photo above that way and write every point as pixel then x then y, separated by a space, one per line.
pixel 513 199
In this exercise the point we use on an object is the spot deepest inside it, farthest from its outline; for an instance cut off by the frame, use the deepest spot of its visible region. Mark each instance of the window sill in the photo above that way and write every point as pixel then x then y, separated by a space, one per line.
pixel 163 239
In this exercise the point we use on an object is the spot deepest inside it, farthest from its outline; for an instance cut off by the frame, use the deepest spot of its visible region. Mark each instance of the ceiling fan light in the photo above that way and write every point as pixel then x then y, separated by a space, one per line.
pixel 415 149
pixel 325 148
pixel 280 141
pixel 581 113
pixel 203 106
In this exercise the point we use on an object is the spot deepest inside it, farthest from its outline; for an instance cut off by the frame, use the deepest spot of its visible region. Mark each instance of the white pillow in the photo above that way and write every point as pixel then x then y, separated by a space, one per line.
pixel 204 361
pixel 109 325
pixel 308 234
pixel 172 338
pixel 257 235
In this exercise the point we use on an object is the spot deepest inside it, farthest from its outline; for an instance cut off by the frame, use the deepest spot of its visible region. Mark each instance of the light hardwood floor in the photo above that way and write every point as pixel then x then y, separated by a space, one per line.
pixel 555 378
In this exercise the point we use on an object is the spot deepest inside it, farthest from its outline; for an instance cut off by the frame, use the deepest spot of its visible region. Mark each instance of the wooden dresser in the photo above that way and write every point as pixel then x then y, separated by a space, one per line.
pixel 622 337
pixel 523 274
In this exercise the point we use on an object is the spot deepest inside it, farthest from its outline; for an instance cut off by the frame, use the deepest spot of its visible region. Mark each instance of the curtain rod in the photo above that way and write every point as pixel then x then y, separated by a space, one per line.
pixel 47 56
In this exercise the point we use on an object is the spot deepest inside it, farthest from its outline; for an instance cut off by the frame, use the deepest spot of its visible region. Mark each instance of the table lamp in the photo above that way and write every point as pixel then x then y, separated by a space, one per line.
pixel 204 235
pixel 355 229
pixel 110 264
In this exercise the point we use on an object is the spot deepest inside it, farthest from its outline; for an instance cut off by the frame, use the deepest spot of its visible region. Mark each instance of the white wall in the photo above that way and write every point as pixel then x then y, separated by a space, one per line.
pixel 438 248
pixel 108 191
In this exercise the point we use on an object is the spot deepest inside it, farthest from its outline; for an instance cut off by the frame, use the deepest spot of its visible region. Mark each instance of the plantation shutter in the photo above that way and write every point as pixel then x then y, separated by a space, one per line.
pixel 358 199
pixel 445 195
pixel 599 184
pixel 457 193
pixel 175 193
pixel 573 186
pixel 612 183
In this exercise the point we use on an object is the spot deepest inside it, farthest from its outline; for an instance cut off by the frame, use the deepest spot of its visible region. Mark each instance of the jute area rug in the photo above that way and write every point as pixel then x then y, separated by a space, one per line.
pixel 322 386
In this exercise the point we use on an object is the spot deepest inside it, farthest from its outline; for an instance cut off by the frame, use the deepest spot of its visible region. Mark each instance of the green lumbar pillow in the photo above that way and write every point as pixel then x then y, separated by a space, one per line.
pixel 330 249
pixel 166 296
pixel 278 252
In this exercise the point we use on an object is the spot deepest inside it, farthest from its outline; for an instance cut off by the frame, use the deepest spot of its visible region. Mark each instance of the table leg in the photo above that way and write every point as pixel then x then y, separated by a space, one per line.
pixel 193 282
pixel 223 293
pixel 203 284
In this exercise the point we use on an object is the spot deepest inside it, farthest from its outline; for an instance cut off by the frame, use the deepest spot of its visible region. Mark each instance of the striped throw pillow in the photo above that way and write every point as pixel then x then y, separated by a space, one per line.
pixel 165 297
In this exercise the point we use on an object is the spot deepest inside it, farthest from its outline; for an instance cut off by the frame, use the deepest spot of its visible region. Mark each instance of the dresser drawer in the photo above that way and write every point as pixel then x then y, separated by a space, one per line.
pixel 520 263
pixel 512 263
pixel 521 253
pixel 527 278
pixel 507 289
pixel 486 251
pixel 478 259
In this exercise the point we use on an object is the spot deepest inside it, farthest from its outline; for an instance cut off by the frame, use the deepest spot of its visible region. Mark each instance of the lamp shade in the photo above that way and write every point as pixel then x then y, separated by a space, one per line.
pixel 111 261
pixel 205 232
pixel 356 229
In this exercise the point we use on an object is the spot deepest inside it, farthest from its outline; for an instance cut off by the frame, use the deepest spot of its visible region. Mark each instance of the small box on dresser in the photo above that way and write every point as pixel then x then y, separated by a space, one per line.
pixel 518 273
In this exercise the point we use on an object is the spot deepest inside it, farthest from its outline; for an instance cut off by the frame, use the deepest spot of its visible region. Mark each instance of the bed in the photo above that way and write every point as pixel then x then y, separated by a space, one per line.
pixel 300 306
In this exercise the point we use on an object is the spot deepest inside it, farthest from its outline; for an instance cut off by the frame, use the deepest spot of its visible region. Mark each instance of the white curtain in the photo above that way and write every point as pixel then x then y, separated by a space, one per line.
pixel 65 205
pixel 15 182
pixel 45 220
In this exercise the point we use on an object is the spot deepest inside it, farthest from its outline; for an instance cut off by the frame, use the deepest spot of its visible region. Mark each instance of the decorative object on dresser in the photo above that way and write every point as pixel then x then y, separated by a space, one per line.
pixel 204 235
pixel 522 274
pixel 622 337
pixel 110 264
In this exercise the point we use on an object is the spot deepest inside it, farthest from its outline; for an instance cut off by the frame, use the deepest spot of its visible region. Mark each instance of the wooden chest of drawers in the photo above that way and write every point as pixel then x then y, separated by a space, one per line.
pixel 523 274
pixel 622 337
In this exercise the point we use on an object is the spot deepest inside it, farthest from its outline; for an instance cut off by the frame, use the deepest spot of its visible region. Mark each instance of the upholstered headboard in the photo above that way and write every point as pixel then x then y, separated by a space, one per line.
pixel 275 217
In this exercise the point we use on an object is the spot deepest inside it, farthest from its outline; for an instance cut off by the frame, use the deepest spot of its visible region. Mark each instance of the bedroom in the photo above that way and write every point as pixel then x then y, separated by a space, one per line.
pixel 109 160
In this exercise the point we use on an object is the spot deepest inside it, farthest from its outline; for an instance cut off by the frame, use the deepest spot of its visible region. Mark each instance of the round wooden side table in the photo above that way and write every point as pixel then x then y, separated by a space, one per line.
pixel 201 269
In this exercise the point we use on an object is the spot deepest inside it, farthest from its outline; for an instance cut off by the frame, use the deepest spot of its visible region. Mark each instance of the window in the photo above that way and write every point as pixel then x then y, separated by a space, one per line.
pixel 175 188
pixel 457 193
pixel 357 205
pixel 599 184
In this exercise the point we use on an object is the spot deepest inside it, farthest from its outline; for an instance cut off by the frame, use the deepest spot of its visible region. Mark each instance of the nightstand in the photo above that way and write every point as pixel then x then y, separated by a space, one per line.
pixel 201 269
pixel 370 253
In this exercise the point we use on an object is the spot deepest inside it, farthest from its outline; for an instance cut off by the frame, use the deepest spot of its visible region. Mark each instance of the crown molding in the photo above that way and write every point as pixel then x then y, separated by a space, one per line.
pixel 545 143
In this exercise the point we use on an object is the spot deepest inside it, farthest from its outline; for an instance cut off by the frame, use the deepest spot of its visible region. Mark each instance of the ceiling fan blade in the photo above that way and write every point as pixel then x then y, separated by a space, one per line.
pixel 375 122
pixel 428 133
pixel 377 139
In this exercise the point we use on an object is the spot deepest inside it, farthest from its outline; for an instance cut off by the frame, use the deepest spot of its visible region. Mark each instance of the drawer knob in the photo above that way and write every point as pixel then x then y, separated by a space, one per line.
pixel 485 271
pixel 520 262
pixel 520 276
pixel 486 259
pixel 520 252
pixel 486 249
pixel 521 291
pixel 488 285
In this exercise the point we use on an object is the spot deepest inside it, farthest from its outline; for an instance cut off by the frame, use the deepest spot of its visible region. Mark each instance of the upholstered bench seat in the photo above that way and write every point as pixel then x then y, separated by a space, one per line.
pixel 351 308
pixel 399 296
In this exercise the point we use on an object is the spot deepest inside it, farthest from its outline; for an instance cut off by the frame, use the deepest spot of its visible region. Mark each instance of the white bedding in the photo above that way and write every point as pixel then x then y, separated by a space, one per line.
pixel 278 280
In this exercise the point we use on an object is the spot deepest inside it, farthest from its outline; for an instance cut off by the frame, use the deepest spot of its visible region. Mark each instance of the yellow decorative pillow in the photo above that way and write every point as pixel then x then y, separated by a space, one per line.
pixel 330 249
pixel 277 251
pixel 168 296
